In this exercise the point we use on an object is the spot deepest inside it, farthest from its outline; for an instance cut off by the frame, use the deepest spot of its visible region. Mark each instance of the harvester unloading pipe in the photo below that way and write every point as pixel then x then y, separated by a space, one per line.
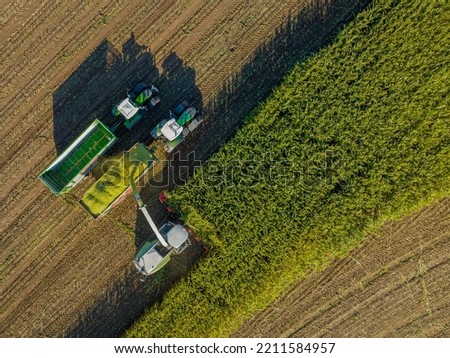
pixel 144 210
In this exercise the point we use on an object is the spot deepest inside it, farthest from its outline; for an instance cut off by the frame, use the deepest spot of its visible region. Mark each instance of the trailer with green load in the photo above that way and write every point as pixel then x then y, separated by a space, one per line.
pixel 79 158
pixel 74 163
pixel 114 184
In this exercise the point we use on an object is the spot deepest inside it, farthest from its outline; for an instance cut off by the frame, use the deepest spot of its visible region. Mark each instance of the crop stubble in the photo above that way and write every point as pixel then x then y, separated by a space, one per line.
pixel 395 285
pixel 56 261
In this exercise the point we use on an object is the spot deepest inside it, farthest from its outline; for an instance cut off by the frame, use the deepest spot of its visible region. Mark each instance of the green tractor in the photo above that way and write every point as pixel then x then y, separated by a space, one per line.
pixel 136 105
pixel 173 130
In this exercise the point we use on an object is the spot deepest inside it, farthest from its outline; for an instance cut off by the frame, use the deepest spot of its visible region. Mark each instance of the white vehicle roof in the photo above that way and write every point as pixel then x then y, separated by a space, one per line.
pixel 177 236
pixel 127 109
pixel 149 260
pixel 171 129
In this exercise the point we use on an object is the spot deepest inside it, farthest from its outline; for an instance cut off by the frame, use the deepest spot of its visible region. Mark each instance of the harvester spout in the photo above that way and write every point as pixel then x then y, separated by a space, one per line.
pixel 142 208
pixel 153 226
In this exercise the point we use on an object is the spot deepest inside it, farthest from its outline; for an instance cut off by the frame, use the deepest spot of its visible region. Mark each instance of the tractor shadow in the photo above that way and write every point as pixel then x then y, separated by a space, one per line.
pixel 300 37
pixel 96 86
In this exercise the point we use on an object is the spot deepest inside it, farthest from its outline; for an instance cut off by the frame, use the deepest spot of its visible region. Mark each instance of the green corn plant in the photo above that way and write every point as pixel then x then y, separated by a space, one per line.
pixel 357 134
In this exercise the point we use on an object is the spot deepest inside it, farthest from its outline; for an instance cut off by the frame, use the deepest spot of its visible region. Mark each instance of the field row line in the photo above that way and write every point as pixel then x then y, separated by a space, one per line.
pixel 38 81
pixel 12 55
pixel 87 260
pixel 214 66
pixel 43 240
pixel 41 266
pixel 17 126
pixel 368 281
pixel 27 28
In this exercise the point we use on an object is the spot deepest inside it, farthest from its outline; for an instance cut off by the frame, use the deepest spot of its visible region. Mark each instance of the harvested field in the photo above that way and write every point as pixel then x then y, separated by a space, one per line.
pixel 395 285
pixel 69 62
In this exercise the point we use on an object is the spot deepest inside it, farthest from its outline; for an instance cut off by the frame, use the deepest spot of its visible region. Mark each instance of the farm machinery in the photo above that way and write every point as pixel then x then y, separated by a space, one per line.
pixel 174 129
pixel 136 105
pixel 171 239
pixel 75 163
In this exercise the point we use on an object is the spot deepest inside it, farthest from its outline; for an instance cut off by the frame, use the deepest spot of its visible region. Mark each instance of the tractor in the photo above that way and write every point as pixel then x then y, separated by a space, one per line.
pixel 174 129
pixel 136 105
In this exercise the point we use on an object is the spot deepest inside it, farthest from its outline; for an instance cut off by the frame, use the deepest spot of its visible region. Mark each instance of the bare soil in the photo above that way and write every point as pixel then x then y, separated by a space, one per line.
pixel 395 284
pixel 65 63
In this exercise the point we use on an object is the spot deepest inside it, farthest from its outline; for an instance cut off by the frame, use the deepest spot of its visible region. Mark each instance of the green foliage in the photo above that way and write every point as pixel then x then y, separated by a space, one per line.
pixel 354 135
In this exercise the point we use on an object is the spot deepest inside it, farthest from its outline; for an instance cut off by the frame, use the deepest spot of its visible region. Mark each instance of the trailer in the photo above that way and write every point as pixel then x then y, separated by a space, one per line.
pixel 75 163
pixel 114 185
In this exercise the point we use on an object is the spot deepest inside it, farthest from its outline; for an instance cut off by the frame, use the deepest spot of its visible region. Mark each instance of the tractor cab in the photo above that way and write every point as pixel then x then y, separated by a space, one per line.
pixel 171 129
pixel 127 108
pixel 136 105
pixel 176 236
pixel 151 257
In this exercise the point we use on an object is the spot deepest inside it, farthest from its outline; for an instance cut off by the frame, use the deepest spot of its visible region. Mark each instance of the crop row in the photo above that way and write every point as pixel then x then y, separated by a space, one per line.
pixel 355 135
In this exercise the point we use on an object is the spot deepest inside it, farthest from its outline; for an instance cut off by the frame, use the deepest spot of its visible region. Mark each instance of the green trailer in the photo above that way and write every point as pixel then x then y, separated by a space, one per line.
pixel 74 164
pixel 114 184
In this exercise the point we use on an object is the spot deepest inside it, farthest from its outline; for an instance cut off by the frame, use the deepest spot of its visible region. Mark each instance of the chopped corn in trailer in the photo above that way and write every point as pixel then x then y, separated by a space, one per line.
pixel 121 177
pixel 114 185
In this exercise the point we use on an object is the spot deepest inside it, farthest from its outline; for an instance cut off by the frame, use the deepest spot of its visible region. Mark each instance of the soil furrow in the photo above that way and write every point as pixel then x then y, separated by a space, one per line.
pixel 374 292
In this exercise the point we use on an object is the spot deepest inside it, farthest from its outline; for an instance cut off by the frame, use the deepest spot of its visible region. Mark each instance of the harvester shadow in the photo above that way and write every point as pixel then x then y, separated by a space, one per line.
pixel 300 37
pixel 126 298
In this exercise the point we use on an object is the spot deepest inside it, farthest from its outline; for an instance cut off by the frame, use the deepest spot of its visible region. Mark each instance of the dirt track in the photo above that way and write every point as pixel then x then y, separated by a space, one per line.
pixel 394 285
pixel 67 62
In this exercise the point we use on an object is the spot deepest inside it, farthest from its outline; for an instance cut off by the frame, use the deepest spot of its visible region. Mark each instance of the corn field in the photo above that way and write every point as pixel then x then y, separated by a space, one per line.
pixel 357 134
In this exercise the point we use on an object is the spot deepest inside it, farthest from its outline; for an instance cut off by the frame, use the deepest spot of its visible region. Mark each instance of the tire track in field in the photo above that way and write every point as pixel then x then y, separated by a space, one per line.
pixel 167 41
pixel 221 68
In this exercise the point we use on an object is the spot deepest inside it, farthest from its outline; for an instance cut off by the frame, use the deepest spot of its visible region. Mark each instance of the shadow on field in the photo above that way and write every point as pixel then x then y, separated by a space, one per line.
pixel 300 37
pixel 96 86
pixel 127 297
